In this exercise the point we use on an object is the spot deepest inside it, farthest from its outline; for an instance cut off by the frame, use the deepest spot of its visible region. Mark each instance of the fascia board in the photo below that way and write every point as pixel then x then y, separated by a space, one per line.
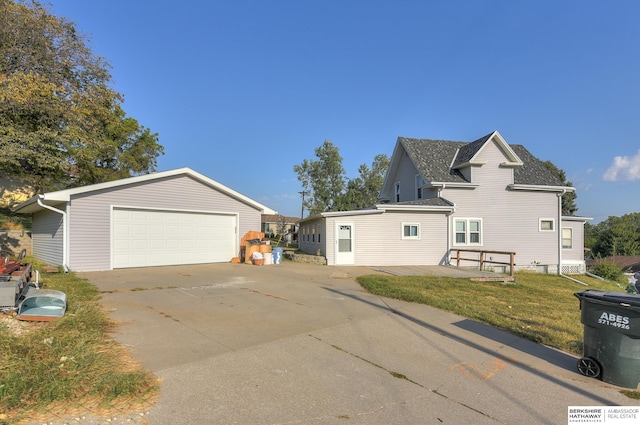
pixel 514 159
pixel 389 207
pixel 65 195
pixel 541 188
pixel 447 185
pixel 576 218
pixel 350 213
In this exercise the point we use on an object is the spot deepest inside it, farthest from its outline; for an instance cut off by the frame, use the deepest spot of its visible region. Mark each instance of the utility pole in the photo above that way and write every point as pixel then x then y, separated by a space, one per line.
pixel 303 193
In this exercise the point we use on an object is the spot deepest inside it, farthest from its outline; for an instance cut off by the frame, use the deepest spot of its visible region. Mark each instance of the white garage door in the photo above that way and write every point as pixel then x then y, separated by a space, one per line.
pixel 143 238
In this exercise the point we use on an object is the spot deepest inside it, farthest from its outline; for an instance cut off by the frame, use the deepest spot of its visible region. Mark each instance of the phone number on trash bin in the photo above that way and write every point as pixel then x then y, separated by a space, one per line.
pixel 614 320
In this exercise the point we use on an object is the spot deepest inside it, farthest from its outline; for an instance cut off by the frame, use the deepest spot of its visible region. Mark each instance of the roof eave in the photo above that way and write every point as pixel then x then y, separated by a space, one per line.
pixel 512 164
pixel 444 185
pixel 468 164
pixel 392 207
pixel 576 218
pixel 541 188
pixel 65 195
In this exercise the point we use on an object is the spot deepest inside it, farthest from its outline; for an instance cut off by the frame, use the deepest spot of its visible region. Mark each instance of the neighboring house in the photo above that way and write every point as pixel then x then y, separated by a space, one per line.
pixel 441 196
pixel 166 218
pixel 279 225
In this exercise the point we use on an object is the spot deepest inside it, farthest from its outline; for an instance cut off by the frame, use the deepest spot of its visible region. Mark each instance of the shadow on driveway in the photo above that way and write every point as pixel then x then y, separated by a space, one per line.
pixel 552 356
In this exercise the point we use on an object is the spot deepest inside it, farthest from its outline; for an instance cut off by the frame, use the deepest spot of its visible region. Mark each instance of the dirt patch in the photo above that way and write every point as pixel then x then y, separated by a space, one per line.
pixel 18 327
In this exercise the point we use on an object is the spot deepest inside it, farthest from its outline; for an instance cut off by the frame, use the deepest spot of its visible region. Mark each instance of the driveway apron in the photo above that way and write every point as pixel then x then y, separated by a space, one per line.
pixel 305 344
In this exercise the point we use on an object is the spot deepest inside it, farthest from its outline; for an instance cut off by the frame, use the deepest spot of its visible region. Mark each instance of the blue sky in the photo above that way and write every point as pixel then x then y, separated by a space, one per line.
pixel 242 91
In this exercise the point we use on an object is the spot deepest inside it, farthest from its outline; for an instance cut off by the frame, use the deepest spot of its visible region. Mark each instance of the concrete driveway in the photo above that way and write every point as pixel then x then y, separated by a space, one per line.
pixel 304 344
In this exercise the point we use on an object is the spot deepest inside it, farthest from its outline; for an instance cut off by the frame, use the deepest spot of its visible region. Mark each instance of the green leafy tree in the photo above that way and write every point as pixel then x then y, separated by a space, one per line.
pixel 363 191
pixel 616 236
pixel 328 189
pixel 61 123
pixel 569 206
pixel 323 179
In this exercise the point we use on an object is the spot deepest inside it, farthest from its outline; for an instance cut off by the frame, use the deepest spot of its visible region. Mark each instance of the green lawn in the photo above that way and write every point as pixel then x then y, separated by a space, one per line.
pixel 539 307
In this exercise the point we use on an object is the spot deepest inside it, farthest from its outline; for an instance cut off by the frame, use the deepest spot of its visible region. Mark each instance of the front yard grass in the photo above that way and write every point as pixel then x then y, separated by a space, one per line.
pixel 538 307
pixel 46 368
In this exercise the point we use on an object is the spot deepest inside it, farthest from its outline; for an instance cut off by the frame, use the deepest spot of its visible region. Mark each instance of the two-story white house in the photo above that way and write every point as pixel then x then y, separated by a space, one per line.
pixel 442 196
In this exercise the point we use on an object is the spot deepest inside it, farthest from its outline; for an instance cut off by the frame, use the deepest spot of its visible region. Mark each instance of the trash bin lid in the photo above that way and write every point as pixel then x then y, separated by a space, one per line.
pixel 620 298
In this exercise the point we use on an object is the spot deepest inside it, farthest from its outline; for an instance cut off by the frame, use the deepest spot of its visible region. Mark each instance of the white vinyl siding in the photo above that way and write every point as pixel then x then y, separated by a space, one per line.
pixel 378 240
pixel 90 222
pixel 575 254
pixel 47 237
pixel 510 218
pixel 312 237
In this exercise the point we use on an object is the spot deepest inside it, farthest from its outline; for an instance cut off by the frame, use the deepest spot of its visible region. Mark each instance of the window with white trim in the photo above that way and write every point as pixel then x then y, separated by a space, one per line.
pixel 410 230
pixel 398 192
pixel 467 231
pixel 547 225
pixel 419 183
pixel 567 238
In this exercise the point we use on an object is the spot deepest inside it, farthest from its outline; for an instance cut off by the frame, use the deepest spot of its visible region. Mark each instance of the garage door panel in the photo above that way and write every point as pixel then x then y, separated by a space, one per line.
pixel 152 238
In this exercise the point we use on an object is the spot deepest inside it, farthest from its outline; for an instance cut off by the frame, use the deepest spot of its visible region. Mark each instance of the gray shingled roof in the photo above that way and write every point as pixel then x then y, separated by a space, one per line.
pixel 434 160
pixel 533 170
pixel 469 150
pixel 429 202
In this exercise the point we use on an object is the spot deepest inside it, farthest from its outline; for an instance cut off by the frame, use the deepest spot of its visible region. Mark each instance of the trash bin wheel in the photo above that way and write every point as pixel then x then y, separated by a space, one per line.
pixel 589 367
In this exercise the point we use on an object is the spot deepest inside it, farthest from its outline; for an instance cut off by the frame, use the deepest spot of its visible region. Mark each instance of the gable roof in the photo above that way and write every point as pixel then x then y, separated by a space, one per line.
pixel 440 161
pixel 52 198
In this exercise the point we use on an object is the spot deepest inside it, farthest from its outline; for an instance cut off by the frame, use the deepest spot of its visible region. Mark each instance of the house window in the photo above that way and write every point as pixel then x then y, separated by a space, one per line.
pixel 567 237
pixel 397 192
pixel 547 225
pixel 313 234
pixel 468 231
pixel 419 183
pixel 410 230
pixel 319 233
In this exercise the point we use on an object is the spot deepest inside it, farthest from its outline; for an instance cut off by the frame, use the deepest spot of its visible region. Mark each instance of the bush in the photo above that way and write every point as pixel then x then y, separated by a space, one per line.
pixel 607 270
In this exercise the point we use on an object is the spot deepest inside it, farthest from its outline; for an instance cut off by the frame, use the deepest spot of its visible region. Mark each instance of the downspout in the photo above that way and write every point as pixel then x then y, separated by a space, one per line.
pixel 560 195
pixel 440 189
pixel 65 233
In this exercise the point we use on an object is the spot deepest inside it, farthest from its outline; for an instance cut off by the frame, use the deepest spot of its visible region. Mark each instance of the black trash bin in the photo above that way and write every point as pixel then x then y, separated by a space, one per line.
pixel 611 337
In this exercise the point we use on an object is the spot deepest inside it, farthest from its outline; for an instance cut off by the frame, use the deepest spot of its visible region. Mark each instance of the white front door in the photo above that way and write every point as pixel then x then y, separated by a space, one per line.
pixel 345 244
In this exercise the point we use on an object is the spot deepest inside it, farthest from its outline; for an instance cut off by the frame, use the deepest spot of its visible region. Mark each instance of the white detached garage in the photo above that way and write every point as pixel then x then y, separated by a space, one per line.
pixel 167 218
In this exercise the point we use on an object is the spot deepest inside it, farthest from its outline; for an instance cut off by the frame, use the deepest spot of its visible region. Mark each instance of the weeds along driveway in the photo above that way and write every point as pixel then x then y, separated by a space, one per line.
pixel 295 343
